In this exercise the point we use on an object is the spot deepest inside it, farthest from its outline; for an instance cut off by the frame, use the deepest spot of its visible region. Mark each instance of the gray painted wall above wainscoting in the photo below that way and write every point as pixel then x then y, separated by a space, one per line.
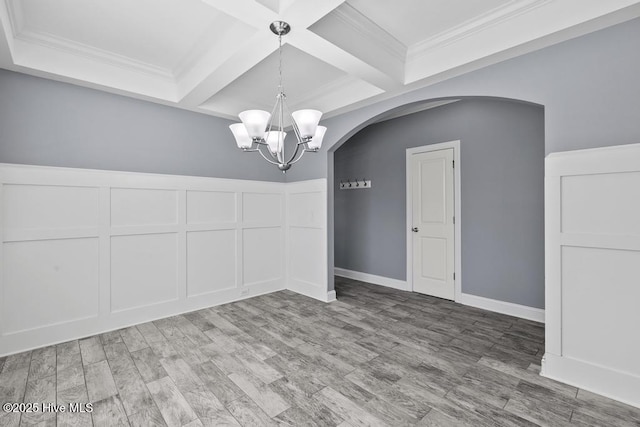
pixel 49 123
pixel 502 180
pixel 589 88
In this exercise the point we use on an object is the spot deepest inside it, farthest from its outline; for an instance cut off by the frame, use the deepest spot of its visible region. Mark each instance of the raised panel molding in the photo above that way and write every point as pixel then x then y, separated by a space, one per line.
pixel 210 207
pixel 48 283
pixel 86 251
pixel 262 255
pixel 261 208
pixel 306 234
pixel 211 261
pixel 144 270
pixel 592 263
pixel 45 207
pixel 143 207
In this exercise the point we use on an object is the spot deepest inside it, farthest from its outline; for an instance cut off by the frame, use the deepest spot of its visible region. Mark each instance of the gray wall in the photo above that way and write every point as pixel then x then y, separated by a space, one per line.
pixel 589 88
pixel 43 122
pixel 502 180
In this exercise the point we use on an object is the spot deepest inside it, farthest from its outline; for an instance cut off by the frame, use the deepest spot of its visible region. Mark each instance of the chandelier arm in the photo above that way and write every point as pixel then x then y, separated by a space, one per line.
pixel 294 125
pixel 273 111
pixel 300 156
pixel 281 150
pixel 266 158
pixel 295 153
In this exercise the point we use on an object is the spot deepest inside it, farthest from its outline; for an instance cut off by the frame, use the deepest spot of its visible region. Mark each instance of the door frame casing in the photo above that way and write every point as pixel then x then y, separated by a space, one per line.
pixel 457 227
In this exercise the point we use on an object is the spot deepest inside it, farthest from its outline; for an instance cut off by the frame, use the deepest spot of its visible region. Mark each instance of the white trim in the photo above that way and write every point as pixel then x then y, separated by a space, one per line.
pixel 471 27
pixel 331 296
pixel 508 308
pixel 358 22
pixel 455 145
pixel 576 179
pixel 311 290
pixel 372 278
pixel 606 382
pixel 306 211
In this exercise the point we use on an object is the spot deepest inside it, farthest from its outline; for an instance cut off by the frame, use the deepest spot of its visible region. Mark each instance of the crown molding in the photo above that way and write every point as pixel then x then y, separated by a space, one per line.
pixel 343 84
pixel 50 41
pixel 93 53
pixel 473 26
pixel 359 23
pixel 16 18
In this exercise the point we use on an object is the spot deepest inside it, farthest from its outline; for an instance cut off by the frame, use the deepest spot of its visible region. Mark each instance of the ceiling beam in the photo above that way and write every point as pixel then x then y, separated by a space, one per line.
pixel 299 14
pixel 304 13
pixel 326 51
pixel 242 60
pixel 248 11
pixel 6 37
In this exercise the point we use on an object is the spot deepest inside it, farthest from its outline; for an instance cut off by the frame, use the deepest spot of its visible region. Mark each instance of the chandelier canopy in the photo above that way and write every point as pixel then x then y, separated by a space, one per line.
pixel 265 133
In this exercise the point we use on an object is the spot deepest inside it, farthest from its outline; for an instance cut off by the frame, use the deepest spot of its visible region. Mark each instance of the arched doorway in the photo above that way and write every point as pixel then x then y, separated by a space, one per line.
pixel 502 149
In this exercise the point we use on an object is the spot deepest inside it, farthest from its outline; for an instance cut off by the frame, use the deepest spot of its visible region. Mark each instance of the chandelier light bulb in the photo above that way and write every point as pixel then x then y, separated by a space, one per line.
pixel 307 121
pixel 240 133
pixel 256 122
pixel 316 142
pixel 275 141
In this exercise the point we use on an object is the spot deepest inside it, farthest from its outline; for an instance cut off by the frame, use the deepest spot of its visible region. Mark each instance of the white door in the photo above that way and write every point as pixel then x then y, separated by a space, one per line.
pixel 433 223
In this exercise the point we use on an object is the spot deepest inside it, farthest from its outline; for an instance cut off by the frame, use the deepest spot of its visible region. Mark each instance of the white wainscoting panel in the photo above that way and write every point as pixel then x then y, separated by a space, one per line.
pixel 262 251
pixel 42 207
pixel 592 203
pixel 262 208
pixel 87 251
pixel 49 282
pixel 137 206
pixel 307 239
pixel 211 261
pixel 211 207
pixel 307 243
pixel 600 280
pixel 144 270
pixel 601 204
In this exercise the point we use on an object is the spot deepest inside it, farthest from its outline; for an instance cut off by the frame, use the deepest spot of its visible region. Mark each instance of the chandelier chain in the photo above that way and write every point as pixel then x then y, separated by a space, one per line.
pixel 280 88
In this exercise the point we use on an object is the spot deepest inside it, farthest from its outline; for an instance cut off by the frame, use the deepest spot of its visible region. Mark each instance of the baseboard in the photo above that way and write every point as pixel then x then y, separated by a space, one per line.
pixel 372 278
pixel 511 309
pixel 610 383
pixel 311 290
pixel 331 296
pixel 61 335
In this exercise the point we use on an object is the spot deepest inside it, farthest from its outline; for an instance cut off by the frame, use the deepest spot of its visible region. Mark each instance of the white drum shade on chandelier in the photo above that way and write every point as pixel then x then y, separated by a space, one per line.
pixel 265 133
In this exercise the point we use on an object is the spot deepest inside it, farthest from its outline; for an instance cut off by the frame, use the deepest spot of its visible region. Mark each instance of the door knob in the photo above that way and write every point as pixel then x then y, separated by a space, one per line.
pixel 414 229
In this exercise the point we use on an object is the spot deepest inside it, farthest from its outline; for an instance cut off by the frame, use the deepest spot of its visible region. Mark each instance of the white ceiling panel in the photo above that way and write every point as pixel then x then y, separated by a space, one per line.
pixel 412 21
pixel 302 75
pixel 157 32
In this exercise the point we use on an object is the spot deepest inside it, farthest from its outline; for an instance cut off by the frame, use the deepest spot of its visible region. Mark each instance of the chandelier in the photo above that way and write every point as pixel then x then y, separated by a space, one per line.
pixel 264 132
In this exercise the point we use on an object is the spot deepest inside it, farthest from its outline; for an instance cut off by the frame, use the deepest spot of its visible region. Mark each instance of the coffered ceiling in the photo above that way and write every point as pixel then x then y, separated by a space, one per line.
pixel 218 57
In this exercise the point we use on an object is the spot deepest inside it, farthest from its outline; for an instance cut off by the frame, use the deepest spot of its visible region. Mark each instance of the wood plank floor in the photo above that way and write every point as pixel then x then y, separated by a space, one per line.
pixel 375 357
